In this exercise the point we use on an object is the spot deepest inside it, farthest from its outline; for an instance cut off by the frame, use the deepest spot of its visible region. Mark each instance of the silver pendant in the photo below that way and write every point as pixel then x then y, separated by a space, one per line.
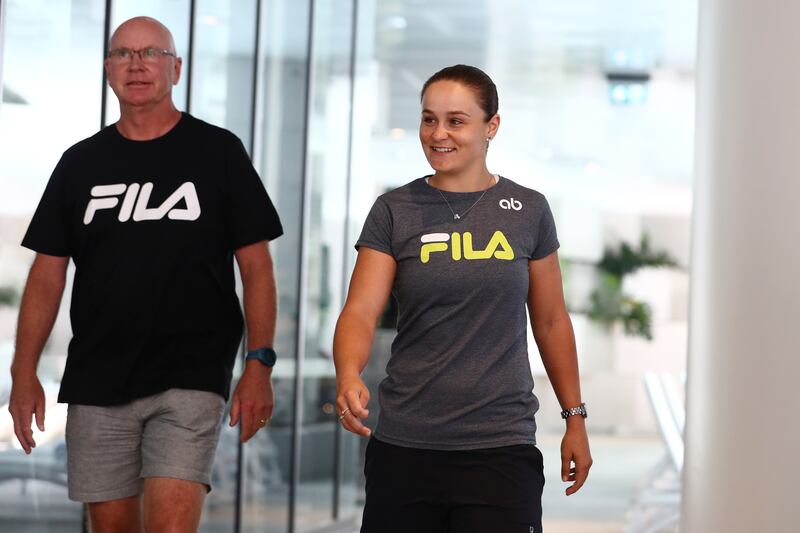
pixel 456 217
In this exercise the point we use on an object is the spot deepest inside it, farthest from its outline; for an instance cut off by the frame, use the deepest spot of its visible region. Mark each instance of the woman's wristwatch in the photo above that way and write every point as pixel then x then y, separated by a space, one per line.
pixel 580 410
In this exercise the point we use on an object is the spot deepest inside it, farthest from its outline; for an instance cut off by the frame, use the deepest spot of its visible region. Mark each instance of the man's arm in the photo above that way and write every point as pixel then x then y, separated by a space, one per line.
pixel 552 330
pixel 253 399
pixel 37 313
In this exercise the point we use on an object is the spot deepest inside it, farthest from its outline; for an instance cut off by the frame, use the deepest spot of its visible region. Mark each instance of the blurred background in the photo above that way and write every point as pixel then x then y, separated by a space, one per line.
pixel 597 107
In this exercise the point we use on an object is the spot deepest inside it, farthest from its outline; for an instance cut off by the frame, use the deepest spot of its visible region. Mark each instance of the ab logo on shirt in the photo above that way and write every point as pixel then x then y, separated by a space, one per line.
pixel 134 204
pixel 461 245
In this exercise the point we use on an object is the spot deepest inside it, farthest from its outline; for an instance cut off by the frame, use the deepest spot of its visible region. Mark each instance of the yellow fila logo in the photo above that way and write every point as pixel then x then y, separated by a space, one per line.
pixel 461 246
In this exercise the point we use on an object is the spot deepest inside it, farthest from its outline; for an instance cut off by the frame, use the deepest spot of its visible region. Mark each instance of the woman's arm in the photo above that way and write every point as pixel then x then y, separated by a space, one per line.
pixel 370 287
pixel 552 330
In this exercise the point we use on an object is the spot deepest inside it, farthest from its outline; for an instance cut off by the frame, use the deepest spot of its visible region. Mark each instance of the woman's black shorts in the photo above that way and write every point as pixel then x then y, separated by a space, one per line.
pixel 494 490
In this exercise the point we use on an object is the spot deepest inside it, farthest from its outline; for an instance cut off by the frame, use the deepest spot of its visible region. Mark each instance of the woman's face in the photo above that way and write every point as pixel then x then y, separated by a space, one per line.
pixel 453 129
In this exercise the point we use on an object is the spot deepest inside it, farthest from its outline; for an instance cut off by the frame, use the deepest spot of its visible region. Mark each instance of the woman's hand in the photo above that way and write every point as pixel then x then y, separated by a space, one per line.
pixel 370 287
pixel 352 397
pixel 575 451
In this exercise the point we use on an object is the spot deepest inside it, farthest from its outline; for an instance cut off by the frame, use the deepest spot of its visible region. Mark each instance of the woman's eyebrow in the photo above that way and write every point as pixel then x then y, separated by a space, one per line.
pixel 449 112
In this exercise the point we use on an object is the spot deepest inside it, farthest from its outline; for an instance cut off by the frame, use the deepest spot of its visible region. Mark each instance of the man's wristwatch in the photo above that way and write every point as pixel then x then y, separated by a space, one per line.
pixel 265 356
pixel 580 410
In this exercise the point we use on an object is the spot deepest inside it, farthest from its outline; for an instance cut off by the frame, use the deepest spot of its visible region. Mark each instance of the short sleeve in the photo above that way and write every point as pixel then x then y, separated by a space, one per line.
pixel 377 230
pixel 252 217
pixel 50 229
pixel 547 240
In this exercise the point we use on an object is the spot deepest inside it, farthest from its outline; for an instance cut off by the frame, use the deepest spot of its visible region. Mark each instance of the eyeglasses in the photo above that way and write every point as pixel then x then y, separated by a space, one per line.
pixel 147 55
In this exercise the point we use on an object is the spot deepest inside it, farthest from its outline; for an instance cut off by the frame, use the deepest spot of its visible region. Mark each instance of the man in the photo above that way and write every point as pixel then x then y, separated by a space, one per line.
pixel 152 211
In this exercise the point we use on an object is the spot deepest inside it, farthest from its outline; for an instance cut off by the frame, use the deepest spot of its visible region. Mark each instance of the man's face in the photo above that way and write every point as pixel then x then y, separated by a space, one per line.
pixel 137 81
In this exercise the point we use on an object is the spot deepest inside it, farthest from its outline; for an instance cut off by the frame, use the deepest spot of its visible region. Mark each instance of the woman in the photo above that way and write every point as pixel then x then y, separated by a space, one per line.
pixel 464 251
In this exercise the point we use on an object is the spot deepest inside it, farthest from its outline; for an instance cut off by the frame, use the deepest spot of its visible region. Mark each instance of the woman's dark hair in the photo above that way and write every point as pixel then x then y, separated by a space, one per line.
pixel 474 78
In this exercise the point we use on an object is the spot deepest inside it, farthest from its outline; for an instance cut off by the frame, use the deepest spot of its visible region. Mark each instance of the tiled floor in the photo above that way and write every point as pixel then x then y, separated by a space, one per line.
pixel 602 505
pixel 620 463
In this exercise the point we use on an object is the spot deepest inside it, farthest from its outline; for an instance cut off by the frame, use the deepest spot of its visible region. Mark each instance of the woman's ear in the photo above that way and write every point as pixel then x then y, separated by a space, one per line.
pixel 493 126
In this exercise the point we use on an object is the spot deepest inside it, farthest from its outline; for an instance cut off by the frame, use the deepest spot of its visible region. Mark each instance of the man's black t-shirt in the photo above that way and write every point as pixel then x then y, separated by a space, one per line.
pixel 151 227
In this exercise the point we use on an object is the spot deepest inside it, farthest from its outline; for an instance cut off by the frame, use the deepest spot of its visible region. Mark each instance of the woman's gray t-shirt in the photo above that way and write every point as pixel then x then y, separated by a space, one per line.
pixel 458 375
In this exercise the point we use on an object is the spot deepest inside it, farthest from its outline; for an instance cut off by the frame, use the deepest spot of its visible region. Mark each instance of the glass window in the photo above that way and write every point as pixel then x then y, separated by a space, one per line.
pixel 223 70
pixel 327 177
pixel 51 85
pixel 279 157
pixel 596 103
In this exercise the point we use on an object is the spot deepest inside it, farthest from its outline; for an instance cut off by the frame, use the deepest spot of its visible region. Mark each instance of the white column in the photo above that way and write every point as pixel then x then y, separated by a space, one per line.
pixel 743 437
pixel 2 46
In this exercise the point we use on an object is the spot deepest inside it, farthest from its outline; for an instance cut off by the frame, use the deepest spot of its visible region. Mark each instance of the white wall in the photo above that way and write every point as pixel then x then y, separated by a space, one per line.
pixel 742 437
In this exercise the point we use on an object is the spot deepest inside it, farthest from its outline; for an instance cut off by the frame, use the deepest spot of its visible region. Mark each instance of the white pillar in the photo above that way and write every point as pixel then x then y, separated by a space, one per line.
pixel 2 45
pixel 743 442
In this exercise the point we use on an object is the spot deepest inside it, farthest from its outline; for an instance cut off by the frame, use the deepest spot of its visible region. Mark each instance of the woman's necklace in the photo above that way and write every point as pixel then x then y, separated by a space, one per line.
pixel 458 216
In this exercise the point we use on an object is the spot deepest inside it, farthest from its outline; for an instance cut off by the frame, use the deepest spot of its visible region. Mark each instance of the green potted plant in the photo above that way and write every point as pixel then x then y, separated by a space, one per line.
pixel 609 304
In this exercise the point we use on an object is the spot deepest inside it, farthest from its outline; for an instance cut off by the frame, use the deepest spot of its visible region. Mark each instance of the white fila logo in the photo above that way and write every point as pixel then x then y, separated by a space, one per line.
pixel 516 205
pixel 134 204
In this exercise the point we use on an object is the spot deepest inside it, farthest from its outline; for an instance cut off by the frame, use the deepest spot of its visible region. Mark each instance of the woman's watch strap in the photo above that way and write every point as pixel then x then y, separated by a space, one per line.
pixel 579 410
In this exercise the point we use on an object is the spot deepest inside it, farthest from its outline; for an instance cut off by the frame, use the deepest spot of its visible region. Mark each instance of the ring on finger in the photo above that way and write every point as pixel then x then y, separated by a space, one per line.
pixel 344 413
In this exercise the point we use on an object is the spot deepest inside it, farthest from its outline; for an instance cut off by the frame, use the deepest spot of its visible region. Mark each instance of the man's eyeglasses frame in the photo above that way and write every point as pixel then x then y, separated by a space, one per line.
pixel 149 54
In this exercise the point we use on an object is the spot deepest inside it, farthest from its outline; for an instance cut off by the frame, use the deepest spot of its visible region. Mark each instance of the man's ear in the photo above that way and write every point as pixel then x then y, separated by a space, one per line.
pixel 178 66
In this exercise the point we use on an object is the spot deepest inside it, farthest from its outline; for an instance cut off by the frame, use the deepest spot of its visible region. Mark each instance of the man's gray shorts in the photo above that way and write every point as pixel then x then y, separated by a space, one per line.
pixel 110 450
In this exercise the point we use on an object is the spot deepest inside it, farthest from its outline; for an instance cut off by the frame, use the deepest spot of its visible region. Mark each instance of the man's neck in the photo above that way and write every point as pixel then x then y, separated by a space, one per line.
pixel 144 124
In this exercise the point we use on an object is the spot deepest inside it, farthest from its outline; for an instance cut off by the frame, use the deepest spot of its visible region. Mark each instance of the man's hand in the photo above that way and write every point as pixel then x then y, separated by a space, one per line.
pixel 252 400
pixel 37 312
pixel 575 450
pixel 352 398
pixel 27 400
